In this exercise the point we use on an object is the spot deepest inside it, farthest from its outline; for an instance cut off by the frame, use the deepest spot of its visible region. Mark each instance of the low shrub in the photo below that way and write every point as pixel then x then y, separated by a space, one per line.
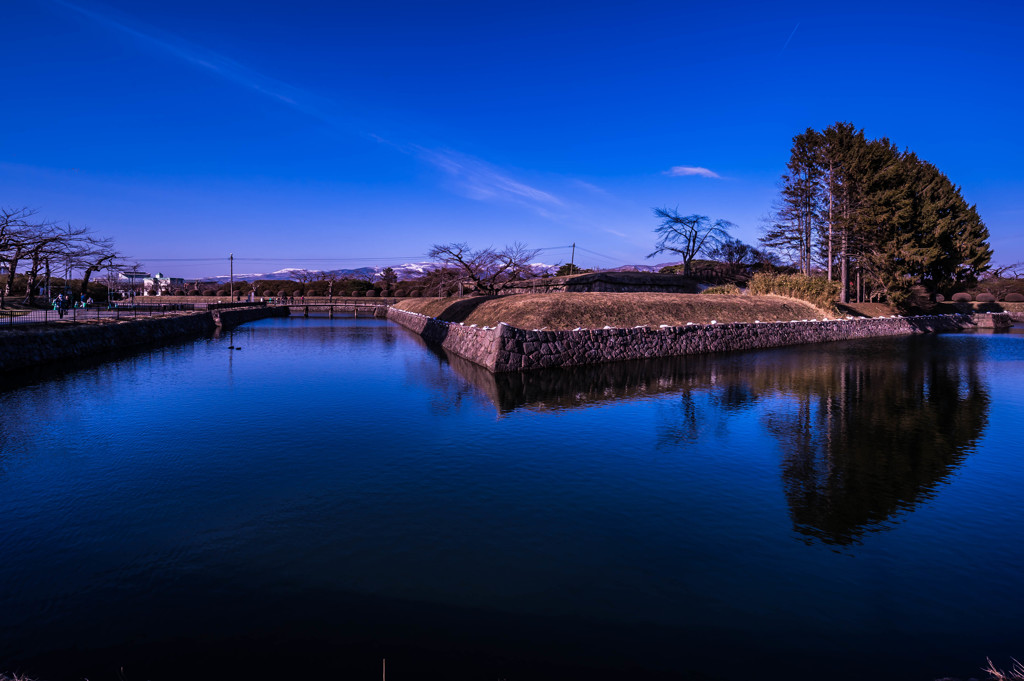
pixel 817 291
pixel 985 298
pixel 415 293
pixel 281 294
pixel 356 294
pixel 726 289
pixel 961 297
pixel 939 297
pixel 222 292
pixel 209 292
pixel 371 294
pixel 1014 298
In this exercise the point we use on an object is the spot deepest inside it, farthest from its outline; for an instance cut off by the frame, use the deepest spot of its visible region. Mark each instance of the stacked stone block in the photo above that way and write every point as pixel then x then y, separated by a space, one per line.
pixel 507 348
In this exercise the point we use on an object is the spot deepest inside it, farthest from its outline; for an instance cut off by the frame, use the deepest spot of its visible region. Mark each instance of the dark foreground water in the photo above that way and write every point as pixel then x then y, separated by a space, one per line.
pixel 336 493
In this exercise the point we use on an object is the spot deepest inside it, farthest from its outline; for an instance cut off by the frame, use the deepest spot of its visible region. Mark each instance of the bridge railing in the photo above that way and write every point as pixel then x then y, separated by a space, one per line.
pixel 336 302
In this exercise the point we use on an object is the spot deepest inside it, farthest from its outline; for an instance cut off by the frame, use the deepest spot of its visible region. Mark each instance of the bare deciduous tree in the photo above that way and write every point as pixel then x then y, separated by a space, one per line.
pixel 688 235
pixel 486 268
pixel 96 255
pixel 331 278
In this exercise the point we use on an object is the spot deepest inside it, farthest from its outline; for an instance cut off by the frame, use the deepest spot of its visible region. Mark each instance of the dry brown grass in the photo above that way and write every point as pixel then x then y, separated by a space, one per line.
pixel 555 311
pixel 866 309
pixel 1015 673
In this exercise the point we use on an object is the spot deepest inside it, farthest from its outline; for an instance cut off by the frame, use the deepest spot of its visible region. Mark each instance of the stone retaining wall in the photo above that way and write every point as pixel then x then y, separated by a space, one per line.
pixel 28 346
pixel 507 348
pixel 475 344
pixel 240 315
pixel 32 347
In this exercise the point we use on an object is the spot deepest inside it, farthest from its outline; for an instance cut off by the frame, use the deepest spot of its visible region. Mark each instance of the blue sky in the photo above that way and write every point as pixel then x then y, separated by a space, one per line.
pixel 335 134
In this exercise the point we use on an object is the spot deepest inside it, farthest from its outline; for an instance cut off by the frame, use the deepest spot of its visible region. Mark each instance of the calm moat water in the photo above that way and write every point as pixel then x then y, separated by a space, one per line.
pixel 337 492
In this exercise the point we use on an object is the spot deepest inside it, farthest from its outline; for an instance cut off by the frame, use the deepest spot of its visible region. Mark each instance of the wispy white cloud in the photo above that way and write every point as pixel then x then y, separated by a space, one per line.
pixel 475 178
pixel 482 181
pixel 593 188
pixel 207 60
pixel 684 171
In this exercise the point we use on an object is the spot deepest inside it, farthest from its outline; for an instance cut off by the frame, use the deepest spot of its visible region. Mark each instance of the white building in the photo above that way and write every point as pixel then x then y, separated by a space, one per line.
pixel 158 284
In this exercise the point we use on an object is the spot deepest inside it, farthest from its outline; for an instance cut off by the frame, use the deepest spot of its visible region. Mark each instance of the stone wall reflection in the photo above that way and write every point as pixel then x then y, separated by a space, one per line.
pixel 867 430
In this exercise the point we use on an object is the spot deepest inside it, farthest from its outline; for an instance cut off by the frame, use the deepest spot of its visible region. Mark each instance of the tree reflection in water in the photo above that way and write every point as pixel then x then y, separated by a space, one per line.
pixel 868 428
pixel 869 435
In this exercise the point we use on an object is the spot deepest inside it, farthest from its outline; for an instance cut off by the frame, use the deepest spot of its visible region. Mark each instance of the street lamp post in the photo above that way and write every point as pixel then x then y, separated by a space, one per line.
pixel 231 288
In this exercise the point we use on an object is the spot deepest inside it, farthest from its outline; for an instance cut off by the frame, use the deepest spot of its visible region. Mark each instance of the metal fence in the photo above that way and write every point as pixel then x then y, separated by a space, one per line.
pixel 9 317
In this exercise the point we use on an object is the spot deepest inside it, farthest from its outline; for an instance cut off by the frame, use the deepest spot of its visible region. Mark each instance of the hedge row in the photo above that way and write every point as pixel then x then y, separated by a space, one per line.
pixel 983 297
pixel 815 290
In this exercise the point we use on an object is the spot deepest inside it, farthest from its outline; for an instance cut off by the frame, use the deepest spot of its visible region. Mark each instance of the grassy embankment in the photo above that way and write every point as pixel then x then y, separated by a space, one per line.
pixel 556 311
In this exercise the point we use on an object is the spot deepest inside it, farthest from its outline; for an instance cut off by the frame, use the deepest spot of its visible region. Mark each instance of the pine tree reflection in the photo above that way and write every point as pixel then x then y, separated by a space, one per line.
pixel 869 429
pixel 871 435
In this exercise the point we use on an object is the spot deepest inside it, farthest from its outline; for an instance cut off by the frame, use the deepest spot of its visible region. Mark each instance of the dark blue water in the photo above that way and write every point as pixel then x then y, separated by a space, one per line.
pixel 336 492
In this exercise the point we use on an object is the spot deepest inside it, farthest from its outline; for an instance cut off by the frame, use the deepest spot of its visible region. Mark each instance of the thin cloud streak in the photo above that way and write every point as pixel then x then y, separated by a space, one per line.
pixel 789 38
pixel 685 171
pixel 210 61
pixel 481 181
pixel 478 180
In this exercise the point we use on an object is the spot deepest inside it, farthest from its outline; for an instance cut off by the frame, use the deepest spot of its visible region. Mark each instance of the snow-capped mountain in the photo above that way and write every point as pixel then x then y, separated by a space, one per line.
pixel 406 271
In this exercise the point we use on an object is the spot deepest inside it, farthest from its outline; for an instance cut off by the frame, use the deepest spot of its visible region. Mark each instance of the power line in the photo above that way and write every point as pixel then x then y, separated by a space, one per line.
pixel 600 255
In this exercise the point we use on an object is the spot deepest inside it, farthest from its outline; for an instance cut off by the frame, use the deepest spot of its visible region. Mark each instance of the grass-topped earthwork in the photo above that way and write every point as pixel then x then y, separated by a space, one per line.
pixel 558 311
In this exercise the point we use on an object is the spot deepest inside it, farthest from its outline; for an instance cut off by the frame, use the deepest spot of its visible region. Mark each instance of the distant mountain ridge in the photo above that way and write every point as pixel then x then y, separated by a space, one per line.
pixel 405 271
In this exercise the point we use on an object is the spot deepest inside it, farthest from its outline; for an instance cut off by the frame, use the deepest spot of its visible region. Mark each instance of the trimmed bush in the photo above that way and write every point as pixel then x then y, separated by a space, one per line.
pixel 985 298
pixel 267 293
pixel 415 293
pixel 281 294
pixel 815 290
pixel 939 297
pixel 208 292
pixel 222 292
pixel 401 293
pixel 371 293
pixel 724 289
pixel 356 294
pixel 1014 298
pixel 961 297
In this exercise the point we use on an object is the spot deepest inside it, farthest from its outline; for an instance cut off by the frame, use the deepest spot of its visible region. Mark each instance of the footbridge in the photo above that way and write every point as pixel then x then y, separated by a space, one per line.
pixel 346 308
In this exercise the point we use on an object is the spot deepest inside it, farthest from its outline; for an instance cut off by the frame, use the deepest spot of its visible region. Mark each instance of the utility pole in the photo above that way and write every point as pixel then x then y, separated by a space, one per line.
pixel 231 289
pixel 572 259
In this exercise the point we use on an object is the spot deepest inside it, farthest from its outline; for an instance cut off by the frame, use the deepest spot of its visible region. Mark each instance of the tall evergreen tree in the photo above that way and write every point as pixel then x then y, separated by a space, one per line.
pixel 858 204
pixel 797 219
